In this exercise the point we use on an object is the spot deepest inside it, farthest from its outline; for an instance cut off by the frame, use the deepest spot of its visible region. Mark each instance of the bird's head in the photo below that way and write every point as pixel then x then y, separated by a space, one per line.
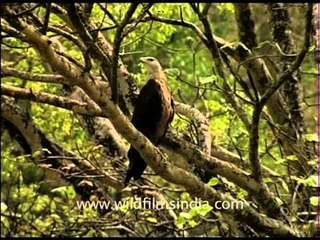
pixel 152 64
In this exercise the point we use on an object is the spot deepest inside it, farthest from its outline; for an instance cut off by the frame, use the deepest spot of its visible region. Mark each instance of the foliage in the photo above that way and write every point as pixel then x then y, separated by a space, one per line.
pixel 40 201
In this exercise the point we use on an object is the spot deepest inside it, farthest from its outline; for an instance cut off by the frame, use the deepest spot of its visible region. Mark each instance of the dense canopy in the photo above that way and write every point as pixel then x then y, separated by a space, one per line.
pixel 239 158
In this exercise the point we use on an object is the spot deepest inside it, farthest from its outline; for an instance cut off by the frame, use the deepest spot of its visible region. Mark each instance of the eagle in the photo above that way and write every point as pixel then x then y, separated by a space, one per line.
pixel 153 112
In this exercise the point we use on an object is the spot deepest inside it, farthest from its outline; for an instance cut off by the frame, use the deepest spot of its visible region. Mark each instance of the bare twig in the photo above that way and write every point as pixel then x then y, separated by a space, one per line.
pixel 109 14
pixel 116 48
pixel 177 23
pixel 212 46
pixel 26 11
pixel 46 19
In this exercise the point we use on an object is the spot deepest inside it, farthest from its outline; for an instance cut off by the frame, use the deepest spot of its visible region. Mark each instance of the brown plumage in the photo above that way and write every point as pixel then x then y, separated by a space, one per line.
pixel 152 115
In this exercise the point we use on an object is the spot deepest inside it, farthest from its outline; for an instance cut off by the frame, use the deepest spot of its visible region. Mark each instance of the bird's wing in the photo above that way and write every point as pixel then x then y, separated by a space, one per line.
pixel 171 115
pixel 172 112
pixel 148 109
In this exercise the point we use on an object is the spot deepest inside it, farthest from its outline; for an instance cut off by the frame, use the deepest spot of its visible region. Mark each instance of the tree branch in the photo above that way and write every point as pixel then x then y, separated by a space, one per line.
pixel 57 157
pixel 202 124
pixel 216 55
pixel 48 78
pixel 245 25
pixel 292 89
pixel 254 133
pixel 151 154
pixel 297 62
pixel 119 35
pixel 101 51
pixel 46 19
pixel 109 14
pixel 58 101
pixel 200 159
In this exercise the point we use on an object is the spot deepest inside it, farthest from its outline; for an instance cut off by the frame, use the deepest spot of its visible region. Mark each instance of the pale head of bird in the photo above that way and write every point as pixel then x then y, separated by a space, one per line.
pixel 152 64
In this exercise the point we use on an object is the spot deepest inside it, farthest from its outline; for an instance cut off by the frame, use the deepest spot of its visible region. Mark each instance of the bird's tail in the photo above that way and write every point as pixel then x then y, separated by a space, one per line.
pixel 136 167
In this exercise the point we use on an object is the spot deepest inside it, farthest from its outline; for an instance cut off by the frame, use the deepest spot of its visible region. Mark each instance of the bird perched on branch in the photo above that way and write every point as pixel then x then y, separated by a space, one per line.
pixel 153 112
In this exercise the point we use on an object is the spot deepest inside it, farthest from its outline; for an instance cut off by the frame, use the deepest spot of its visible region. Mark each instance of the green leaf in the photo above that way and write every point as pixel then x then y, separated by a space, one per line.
pixel 279 201
pixel 292 158
pixel 152 219
pixel 180 222
pixel 213 181
pixel 314 201
pixel 242 193
pixel 56 217
pixel 311 181
pixel 193 212
pixel 204 209
pixel 65 191
pixel 61 190
pixel 313 162
pixel 205 80
pixel 36 154
pixel 103 234
pixel 268 180
pixel 284 185
pixel 91 233
pixel 280 161
pixel 193 223
pixel 172 72
pixel 185 215
pixel 312 48
pixel 311 137
pixel 71 193
pixel 3 207
pixel 226 7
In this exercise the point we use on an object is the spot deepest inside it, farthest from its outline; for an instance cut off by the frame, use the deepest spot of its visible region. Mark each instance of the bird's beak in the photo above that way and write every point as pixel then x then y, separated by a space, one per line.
pixel 142 59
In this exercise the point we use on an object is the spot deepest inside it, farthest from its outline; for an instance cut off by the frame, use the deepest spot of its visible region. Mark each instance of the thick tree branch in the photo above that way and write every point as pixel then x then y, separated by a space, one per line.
pixel 292 89
pixel 245 24
pixel 161 166
pixel 297 62
pixel 100 128
pixel 10 30
pixel 202 125
pixel 13 114
pixel 37 77
pixel 58 101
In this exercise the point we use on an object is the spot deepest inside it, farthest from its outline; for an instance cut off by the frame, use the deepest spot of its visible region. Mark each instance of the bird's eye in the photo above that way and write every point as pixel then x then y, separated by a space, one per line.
pixel 151 59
